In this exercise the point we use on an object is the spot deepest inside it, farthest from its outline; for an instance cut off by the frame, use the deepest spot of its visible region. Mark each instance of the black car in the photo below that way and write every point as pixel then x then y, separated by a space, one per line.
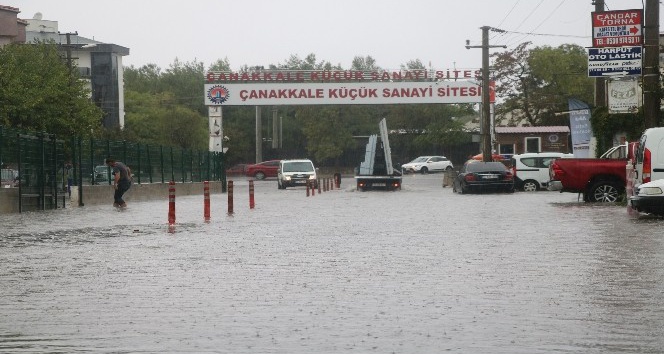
pixel 478 176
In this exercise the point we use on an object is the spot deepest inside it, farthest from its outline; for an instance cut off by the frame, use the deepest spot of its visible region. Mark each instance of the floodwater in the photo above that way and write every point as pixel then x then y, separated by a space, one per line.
pixel 421 270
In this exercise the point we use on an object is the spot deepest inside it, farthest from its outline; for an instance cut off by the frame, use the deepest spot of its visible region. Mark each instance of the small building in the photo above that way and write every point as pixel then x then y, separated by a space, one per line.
pixel 519 140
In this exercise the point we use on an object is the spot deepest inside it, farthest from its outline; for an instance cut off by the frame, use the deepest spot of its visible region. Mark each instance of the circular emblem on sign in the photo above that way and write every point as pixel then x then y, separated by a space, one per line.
pixel 218 94
pixel 553 138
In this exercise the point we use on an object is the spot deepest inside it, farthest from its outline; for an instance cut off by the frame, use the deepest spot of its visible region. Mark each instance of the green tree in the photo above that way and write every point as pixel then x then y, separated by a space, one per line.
pixel 166 107
pixel 536 83
pixel 39 92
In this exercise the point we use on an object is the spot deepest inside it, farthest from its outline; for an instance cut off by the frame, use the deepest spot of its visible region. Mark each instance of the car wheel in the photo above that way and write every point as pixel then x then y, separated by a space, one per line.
pixel 260 175
pixel 604 192
pixel 530 186
pixel 448 169
pixel 424 170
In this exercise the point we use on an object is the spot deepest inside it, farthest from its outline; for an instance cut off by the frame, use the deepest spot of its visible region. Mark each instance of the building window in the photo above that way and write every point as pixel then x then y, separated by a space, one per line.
pixel 506 149
pixel 533 144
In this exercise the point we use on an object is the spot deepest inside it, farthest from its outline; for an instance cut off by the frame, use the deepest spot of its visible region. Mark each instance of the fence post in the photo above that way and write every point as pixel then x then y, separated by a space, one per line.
pixel 161 161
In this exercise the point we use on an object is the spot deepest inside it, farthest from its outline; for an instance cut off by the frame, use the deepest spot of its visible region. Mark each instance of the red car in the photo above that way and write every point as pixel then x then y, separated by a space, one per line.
pixel 237 170
pixel 263 169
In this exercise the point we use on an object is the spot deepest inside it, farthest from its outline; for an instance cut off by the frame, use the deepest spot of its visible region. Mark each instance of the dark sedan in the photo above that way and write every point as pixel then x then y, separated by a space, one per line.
pixel 478 176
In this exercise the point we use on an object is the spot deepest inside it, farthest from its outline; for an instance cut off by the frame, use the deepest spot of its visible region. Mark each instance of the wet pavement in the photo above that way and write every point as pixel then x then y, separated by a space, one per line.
pixel 421 270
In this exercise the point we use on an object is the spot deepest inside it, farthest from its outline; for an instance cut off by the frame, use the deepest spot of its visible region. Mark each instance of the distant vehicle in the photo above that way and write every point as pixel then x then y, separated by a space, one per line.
pixel 649 198
pixel 101 174
pixel 237 170
pixel 481 176
pixel 376 171
pixel 426 164
pixel 263 170
pixel 531 170
pixel 292 173
pixel 9 178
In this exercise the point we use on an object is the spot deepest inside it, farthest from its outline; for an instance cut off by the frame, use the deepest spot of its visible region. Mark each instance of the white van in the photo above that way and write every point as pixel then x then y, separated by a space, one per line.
pixel 531 170
pixel 293 173
pixel 649 159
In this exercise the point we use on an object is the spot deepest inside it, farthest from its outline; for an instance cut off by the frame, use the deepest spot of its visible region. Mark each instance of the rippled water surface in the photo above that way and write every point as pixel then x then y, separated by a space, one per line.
pixel 421 270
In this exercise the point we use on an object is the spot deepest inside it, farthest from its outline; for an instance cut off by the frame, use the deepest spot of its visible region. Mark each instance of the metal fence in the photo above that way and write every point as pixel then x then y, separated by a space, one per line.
pixel 47 167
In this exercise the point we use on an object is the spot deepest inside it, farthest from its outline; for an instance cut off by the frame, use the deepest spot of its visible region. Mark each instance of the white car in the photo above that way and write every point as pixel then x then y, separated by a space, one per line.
pixel 531 170
pixel 426 164
pixel 294 173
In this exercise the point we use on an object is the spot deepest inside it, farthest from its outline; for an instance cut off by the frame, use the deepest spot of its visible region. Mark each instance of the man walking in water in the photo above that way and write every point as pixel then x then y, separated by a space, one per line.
pixel 122 181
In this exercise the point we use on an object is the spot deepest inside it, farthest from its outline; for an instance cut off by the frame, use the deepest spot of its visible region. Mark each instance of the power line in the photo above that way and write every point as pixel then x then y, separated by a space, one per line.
pixel 545 34
pixel 509 13
pixel 530 14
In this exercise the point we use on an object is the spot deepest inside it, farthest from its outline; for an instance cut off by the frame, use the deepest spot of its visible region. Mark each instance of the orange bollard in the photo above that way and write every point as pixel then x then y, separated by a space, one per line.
pixel 251 195
pixel 230 197
pixel 313 188
pixel 332 185
pixel 308 188
pixel 206 200
pixel 171 203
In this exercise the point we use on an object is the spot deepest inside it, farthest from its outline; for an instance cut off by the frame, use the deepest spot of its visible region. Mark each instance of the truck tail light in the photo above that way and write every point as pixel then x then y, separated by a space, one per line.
pixel 555 172
pixel 647 166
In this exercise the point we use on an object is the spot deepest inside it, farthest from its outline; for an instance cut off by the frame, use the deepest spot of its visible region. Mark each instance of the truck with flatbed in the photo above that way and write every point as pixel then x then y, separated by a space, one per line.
pixel 376 172
pixel 600 179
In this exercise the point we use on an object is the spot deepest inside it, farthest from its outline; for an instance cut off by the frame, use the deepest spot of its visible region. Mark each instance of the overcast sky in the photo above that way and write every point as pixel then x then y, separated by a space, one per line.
pixel 264 32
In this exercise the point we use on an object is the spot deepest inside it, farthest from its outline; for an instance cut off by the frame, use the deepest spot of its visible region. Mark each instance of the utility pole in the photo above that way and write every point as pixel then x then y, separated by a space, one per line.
pixel 600 82
pixel 259 135
pixel 651 81
pixel 486 104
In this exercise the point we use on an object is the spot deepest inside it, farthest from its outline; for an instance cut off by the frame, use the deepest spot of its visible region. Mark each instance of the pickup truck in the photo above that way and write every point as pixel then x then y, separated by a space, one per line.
pixel 600 179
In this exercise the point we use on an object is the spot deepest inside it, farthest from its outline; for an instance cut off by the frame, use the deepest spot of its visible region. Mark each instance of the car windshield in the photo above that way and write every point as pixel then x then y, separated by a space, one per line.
pixel 485 167
pixel 420 159
pixel 303 166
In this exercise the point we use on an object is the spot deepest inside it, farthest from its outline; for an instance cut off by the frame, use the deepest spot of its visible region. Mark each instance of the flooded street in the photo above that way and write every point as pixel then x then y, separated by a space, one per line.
pixel 421 270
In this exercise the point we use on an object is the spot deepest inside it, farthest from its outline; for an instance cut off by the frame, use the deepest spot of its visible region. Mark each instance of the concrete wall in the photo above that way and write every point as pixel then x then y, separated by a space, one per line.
pixel 96 195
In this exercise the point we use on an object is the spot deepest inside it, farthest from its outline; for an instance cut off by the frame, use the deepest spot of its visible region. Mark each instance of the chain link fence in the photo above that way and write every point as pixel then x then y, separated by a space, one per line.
pixel 44 167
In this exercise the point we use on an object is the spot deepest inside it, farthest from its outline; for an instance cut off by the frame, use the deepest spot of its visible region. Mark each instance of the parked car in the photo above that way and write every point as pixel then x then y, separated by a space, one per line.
pixel 9 178
pixel 263 170
pixel 426 164
pixel 101 174
pixel 296 173
pixel 531 170
pixel 479 176
pixel 237 170
pixel 649 198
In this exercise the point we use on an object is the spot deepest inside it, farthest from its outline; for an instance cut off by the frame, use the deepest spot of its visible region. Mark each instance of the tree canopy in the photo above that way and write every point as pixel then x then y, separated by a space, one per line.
pixel 534 84
pixel 39 92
